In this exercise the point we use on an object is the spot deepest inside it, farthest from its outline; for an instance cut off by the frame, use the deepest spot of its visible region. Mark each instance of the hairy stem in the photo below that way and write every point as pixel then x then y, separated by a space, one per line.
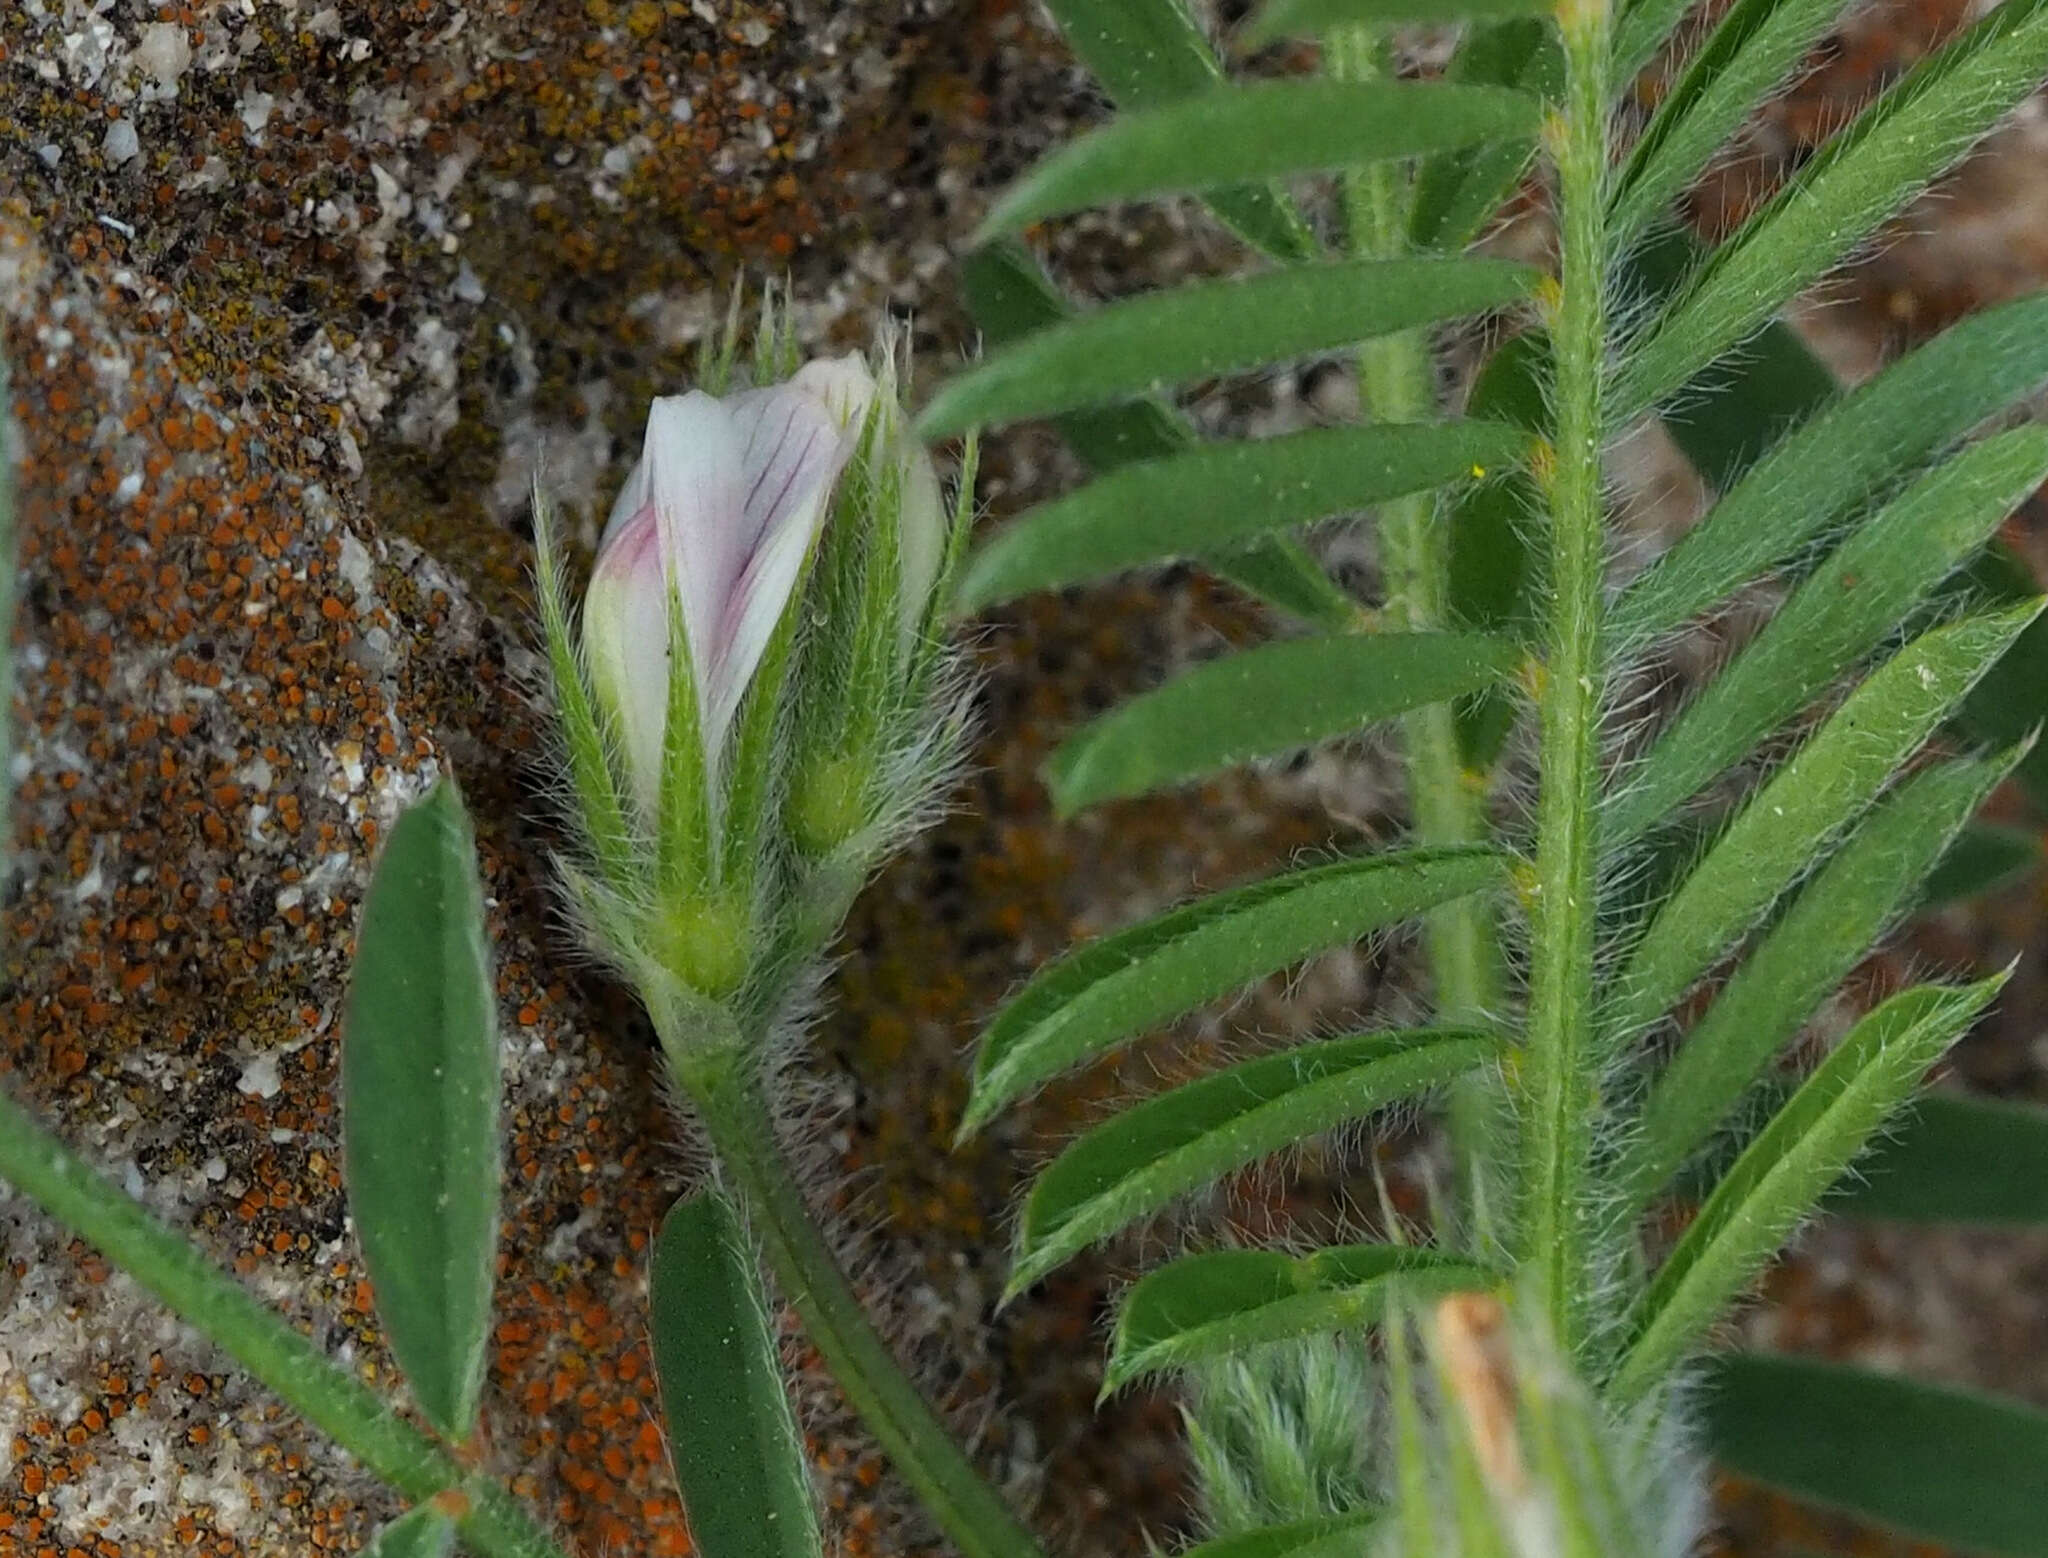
pixel 1559 1068
pixel 1397 381
pixel 334 1401
pixel 737 1119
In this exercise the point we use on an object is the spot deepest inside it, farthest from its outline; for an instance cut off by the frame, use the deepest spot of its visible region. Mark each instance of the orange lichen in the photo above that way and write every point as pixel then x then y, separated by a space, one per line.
pixel 223 640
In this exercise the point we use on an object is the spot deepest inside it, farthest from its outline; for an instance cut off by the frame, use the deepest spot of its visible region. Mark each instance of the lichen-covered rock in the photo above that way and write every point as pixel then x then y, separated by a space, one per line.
pixel 297 298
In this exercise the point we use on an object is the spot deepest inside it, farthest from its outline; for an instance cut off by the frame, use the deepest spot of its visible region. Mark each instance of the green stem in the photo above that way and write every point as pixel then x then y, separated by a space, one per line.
pixel 355 1417
pixel 1397 381
pixel 738 1121
pixel 1559 1079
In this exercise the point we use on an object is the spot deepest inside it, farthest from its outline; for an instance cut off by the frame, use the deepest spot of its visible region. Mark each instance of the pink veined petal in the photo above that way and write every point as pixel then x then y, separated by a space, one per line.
pixel 783 432
pixel 793 451
pixel 625 637
pixel 697 486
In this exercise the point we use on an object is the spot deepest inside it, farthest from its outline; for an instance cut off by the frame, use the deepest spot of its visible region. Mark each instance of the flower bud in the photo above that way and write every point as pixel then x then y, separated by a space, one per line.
pixel 755 715
pixel 721 512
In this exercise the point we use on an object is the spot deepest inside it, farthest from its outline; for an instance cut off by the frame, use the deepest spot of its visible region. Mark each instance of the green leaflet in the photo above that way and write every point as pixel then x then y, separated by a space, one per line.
pixel 1324 1536
pixel 421 1532
pixel 1147 53
pixel 1284 574
pixel 1012 299
pixel 1960 1469
pixel 1741 404
pixel 1493 531
pixel 1812 479
pixel 1144 52
pixel 1954 1159
pixel 1985 858
pixel 2011 703
pixel 732 1439
pixel 1868 172
pixel 1009 297
pixel 1457 192
pixel 1266 130
pixel 1751 51
pixel 1837 773
pixel 1264 702
pixel 1279 19
pixel 1830 926
pixel 1109 991
pixel 1779 1180
pixel 1491 574
pixel 1145 1158
pixel 1219 495
pixel 1144 344
pixel 1226 1301
pixel 1842 611
pixel 419 1093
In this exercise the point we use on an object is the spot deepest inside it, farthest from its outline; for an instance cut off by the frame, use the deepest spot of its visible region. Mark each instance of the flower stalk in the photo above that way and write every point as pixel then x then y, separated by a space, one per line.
pixel 736 1116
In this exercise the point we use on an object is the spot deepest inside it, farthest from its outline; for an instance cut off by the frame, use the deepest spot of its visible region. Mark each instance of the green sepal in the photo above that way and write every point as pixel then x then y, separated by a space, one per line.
pixel 686 841
pixel 601 813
